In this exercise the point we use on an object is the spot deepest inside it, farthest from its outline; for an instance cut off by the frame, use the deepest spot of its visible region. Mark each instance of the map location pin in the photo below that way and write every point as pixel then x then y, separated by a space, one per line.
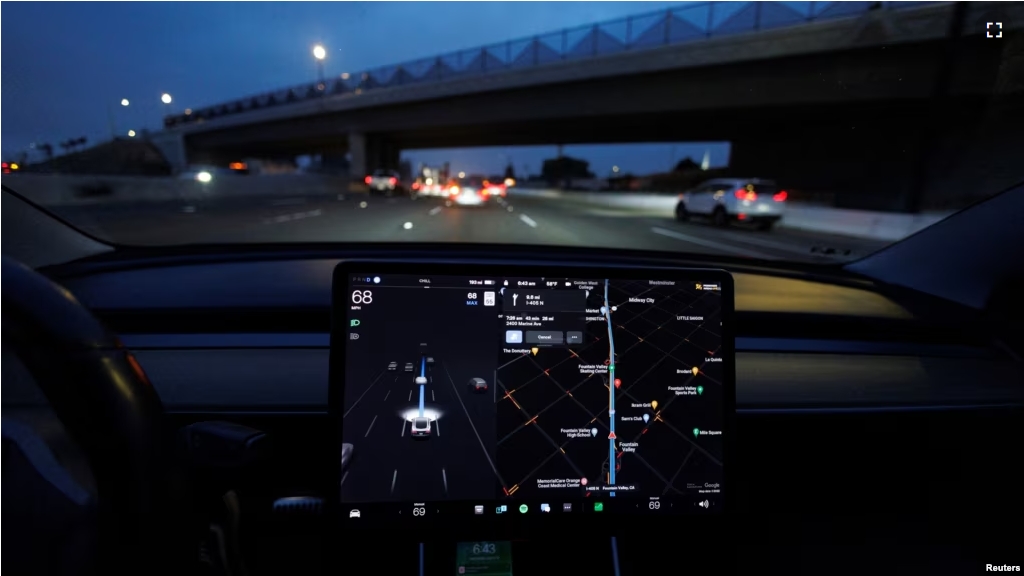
pixel 654 404
pixel 593 431
pixel 695 370
pixel 700 390
pixel 646 418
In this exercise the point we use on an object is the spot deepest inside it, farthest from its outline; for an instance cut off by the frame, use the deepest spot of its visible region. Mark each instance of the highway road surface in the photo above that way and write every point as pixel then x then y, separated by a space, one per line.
pixel 389 465
pixel 354 217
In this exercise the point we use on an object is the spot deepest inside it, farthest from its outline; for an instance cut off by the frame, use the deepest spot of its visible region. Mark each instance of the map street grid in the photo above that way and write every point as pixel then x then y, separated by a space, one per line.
pixel 646 380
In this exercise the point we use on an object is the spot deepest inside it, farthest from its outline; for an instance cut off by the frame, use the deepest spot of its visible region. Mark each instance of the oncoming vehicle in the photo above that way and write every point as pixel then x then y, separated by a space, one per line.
pixel 420 427
pixel 727 200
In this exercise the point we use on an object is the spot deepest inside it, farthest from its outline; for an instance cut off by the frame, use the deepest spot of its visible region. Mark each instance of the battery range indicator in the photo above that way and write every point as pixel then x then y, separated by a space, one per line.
pixel 488 282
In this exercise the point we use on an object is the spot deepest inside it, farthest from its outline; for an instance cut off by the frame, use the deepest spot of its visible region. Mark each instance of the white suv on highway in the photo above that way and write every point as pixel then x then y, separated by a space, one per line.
pixel 725 200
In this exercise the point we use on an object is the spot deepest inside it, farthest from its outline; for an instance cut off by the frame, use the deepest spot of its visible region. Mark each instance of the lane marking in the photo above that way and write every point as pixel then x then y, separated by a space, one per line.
pixel 444 476
pixel 528 221
pixel 711 244
pixel 473 426
pixel 393 478
pixel 435 211
pixel 386 395
pixel 288 202
pixel 432 399
pixel 343 478
pixel 372 422
pixel 292 217
pixel 774 245
pixel 410 396
pixel 351 408
pixel 437 426
pixel 403 428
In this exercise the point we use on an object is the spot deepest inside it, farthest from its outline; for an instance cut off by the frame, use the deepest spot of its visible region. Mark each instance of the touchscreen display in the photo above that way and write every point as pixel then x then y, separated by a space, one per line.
pixel 492 395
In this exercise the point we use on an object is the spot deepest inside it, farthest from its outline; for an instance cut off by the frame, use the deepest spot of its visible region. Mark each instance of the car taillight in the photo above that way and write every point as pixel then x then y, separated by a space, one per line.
pixel 415 185
pixel 454 190
pixel 393 181
pixel 781 196
pixel 368 179
pixel 485 192
pixel 744 195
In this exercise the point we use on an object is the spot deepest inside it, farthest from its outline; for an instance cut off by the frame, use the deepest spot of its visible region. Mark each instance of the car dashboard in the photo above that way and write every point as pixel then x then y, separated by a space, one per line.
pixel 867 417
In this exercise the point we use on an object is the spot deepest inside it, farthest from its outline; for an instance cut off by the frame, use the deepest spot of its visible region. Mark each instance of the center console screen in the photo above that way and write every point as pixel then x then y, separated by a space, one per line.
pixel 522 394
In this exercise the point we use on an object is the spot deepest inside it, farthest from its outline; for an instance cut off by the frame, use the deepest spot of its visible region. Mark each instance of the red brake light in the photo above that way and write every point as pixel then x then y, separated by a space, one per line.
pixel 781 196
pixel 741 193
pixel 744 195
pixel 393 180
pixel 415 185
pixel 368 179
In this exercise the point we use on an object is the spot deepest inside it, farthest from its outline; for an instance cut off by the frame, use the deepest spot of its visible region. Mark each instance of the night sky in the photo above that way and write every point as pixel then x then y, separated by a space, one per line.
pixel 66 66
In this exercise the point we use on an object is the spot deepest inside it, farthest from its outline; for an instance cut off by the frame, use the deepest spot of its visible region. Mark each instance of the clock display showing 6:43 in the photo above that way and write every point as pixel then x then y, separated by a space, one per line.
pixel 484 558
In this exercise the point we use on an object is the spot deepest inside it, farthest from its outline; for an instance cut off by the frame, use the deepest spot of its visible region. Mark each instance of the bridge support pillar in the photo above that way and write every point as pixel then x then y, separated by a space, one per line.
pixel 357 155
pixel 172 146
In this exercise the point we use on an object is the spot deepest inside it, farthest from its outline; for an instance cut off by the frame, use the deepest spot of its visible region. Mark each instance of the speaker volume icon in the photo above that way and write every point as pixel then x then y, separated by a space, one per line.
pixel 704 504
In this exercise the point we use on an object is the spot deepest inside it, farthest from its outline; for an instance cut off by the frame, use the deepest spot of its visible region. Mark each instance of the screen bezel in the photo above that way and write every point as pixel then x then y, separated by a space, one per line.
pixel 518 526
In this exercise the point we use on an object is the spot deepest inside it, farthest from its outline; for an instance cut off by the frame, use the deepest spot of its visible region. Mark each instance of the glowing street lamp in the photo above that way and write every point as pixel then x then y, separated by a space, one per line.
pixel 319 52
pixel 124 101
pixel 131 133
pixel 166 98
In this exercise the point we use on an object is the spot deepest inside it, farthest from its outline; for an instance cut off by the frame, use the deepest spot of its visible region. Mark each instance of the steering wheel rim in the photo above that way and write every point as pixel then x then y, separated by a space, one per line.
pixel 105 402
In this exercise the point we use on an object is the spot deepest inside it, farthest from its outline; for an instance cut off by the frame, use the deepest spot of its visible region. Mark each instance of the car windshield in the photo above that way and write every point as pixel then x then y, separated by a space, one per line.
pixel 816 132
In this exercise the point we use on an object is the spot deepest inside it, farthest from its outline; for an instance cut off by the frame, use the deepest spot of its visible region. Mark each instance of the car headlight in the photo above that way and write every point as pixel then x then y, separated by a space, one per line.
pixel 204 177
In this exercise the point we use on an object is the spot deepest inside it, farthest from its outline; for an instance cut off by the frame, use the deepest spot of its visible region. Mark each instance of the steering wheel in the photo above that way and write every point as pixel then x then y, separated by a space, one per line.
pixel 105 402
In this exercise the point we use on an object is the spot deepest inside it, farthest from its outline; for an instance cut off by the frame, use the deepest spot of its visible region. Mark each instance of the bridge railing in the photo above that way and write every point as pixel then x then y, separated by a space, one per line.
pixel 687 23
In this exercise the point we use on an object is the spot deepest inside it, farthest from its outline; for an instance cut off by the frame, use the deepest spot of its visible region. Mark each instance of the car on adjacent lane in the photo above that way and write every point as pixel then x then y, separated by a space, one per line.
pixel 726 200
pixel 385 182
pixel 477 385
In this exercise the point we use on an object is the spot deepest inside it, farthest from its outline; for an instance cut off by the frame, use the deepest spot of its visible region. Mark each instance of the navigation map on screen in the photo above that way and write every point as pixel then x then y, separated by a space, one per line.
pixel 524 395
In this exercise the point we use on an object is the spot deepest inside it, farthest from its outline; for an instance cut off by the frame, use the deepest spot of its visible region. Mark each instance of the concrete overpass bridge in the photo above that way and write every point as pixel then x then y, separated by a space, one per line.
pixel 901 87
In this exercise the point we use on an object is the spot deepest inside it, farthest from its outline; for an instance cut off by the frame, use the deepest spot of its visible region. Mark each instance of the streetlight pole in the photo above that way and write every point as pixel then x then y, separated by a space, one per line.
pixel 111 117
pixel 166 99
pixel 319 52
